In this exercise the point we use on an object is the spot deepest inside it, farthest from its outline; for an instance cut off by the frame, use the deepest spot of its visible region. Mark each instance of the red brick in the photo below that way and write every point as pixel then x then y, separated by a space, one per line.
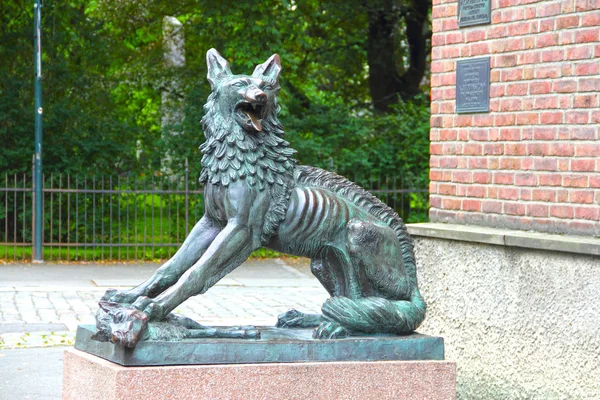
pixel 543 195
pixel 562 196
pixel 554 117
pixel 472 149
pixel 435 175
pixel 514 14
pixel 538 149
pixel 587 149
pixel 576 117
pixel 567 22
pixel 583 165
pixel 545 164
pixel 515 149
pixel 513 74
pixel 516 89
pixel 462 176
pixel 475 35
pixel 545 25
pixel 504 119
pixel 580 181
pixel 581 196
pixel 595 181
pixel 585 100
pixel 447 189
pixel 550 179
pixel 548 9
pixel 493 148
pixel 448 162
pixel 546 40
pixel 586 68
pixel 514 208
pixel 471 205
pixel 537 210
pixel 435 201
pixel 510 163
pixel 587 35
pixel 590 213
pixel 578 53
pixel 451 204
pixel 451 148
pixel 562 149
pixel 525 179
pixel 479 134
pixel 561 211
pixel 527 119
pixel 494 207
pixel 482 177
pixel 463 120
pixel 483 120
pixel 545 102
pixel 504 178
pixel 454 37
pixel 525 194
pixel 508 193
pixel 476 191
pixel 513 104
pixel 583 132
pixel 553 55
pixel 530 57
pixel 448 134
pixel 564 86
pixel 552 71
pixel 497 31
pixel 591 19
pixel 540 87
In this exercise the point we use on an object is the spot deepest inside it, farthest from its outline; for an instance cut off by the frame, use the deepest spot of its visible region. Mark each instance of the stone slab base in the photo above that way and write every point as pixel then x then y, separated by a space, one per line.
pixel 89 377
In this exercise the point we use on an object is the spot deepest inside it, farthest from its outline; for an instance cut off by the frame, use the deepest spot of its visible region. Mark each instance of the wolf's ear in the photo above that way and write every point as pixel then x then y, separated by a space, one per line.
pixel 218 67
pixel 270 69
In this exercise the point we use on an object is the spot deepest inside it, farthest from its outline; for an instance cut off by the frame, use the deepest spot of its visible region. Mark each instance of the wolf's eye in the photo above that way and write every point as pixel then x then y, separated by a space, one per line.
pixel 268 87
pixel 238 84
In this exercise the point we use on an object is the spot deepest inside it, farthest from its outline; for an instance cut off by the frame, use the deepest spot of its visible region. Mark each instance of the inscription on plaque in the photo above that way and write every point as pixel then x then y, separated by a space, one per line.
pixel 474 12
pixel 473 85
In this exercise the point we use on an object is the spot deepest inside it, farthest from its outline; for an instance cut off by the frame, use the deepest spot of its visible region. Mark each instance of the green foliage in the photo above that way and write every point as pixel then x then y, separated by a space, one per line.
pixel 104 76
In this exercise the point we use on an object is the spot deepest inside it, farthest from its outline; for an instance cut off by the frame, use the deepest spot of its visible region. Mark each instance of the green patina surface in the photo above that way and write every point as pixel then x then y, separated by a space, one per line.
pixel 275 345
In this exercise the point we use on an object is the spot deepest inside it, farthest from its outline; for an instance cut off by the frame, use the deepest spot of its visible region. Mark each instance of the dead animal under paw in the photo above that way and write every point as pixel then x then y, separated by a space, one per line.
pixel 126 326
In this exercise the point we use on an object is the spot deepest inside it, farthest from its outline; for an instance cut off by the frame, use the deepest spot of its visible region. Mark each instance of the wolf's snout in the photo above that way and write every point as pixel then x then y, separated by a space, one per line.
pixel 255 95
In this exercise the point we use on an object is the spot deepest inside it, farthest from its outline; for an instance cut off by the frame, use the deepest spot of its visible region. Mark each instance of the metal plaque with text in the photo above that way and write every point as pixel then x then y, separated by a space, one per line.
pixel 474 12
pixel 473 85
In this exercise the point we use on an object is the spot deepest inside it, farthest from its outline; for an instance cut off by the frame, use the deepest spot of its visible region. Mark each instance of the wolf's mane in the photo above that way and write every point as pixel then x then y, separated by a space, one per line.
pixel 263 159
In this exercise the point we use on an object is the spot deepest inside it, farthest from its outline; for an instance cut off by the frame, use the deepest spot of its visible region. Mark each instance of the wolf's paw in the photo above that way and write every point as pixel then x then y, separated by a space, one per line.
pixel 330 330
pixel 150 307
pixel 290 319
pixel 121 296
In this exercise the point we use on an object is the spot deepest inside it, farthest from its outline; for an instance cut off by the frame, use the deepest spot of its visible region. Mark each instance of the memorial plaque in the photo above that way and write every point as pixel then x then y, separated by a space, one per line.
pixel 473 85
pixel 474 12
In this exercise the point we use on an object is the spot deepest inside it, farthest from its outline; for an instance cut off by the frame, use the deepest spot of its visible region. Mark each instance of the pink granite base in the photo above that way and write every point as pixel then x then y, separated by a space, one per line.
pixel 89 377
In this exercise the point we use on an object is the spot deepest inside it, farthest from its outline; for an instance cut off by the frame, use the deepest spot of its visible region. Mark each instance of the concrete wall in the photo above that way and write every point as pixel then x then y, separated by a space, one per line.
pixel 520 323
pixel 531 163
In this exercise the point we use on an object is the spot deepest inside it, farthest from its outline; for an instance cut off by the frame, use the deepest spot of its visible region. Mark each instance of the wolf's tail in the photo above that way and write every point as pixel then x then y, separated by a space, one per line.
pixel 375 314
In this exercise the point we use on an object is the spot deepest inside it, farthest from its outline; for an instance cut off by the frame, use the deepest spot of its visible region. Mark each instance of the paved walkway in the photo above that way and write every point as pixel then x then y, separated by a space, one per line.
pixel 41 305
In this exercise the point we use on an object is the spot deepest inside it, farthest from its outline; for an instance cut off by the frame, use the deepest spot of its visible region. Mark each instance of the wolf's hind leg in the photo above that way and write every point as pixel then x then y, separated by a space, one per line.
pixel 296 319
pixel 376 314
pixel 196 243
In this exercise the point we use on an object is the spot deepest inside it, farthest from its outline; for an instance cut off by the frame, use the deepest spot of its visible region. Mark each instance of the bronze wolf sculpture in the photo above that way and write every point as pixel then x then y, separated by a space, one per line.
pixel 256 195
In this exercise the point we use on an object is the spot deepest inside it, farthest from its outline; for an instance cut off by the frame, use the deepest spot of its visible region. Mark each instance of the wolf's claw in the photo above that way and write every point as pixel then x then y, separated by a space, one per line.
pixel 330 330
pixel 290 319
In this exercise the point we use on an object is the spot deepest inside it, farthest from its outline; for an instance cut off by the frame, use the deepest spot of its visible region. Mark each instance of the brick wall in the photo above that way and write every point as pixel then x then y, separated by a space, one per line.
pixel 533 161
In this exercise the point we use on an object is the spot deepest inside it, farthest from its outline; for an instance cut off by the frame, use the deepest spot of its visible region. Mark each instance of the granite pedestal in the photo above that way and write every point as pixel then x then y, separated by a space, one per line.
pixel 283 364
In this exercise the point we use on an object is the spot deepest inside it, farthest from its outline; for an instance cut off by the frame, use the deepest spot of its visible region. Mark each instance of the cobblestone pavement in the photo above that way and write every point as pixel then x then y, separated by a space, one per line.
pixel 46 316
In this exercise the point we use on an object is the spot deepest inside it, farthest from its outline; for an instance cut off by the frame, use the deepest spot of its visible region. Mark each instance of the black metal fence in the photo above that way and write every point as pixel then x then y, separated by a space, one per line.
pixel 131 217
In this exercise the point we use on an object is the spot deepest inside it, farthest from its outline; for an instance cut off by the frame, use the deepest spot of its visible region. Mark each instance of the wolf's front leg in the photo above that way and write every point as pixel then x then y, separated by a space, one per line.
pixel 230 248
pixel 199 239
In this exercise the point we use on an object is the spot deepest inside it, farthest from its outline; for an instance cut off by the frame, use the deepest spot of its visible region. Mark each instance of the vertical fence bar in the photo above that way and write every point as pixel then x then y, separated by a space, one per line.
pixel 51 239
pixel 6 215
pixel 187 198
pixel 60 197
pixel 103 199
pixel 23 227
pixel 68 216
pixel 15 217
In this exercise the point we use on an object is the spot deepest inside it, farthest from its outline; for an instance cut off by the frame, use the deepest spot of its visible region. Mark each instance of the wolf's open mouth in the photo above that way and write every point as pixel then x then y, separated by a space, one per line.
pixel 251 114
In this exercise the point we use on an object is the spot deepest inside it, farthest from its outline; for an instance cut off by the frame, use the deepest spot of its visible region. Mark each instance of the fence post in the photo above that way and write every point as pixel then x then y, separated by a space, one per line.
pixel 38 256
pixel 187 197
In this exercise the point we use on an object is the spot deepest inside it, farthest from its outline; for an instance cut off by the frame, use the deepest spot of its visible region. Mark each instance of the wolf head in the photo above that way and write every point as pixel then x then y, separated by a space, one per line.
pixel 248 100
